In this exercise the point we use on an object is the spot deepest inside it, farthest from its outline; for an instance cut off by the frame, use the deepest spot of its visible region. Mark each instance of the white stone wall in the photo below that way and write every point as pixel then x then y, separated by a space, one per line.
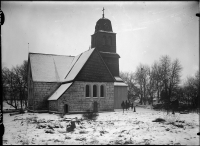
pixel 53 106
pixel 42 91
pixel 76 100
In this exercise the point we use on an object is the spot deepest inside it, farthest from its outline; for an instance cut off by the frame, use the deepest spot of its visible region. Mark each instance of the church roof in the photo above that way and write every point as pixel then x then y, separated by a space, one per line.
pixel 57 68
pixel 59 91
pixel 77 66
pixel 49 67
pixel 120 84
pixel 118 79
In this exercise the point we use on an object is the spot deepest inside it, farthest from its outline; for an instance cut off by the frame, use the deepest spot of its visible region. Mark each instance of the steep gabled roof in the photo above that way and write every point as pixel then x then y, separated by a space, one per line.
pixel 77 65
pixel 95 69
pixel 57 68
pixel 48 67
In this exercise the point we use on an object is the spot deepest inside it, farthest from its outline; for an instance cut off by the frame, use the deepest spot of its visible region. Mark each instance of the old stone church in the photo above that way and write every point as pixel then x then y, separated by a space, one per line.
pixel 90 80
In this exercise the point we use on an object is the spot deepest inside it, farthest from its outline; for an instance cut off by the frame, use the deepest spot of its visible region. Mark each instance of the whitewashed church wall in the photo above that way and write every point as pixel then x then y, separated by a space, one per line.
pixel 77 101
pixel 42 91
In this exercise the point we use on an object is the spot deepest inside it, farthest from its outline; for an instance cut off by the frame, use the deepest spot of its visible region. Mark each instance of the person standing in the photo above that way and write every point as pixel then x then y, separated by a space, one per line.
pixel 134 104
pixel 123 105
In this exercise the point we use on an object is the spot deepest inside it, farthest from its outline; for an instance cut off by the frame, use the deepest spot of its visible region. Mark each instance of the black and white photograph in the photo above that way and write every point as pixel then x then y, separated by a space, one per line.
pixel 100 73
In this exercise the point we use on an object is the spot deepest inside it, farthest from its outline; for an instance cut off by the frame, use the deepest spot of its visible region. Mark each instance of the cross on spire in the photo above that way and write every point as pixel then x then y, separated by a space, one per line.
pixel 103 12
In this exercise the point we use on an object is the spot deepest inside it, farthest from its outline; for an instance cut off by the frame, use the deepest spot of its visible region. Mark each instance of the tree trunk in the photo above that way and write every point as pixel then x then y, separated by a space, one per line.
pixel 141 100
pixel 144 94
pixel 20 96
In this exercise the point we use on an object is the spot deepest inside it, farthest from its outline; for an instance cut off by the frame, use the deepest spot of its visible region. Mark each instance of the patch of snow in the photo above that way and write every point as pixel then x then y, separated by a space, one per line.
pixel 110 128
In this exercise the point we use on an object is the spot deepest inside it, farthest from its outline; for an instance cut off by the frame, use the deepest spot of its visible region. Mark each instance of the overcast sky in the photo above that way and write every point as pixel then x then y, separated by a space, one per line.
pixel 145 31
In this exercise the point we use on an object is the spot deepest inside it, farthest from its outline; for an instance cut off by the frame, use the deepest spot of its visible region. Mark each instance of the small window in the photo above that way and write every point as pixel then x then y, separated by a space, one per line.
pixel 87 91
pixel 102 91
pixel 94 90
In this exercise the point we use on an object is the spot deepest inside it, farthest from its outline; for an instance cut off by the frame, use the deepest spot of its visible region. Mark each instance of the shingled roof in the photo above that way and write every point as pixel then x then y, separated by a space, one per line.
pixel 57 68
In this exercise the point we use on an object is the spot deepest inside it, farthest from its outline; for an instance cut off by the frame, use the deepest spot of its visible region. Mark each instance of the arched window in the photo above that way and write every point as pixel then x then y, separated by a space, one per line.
pixel 104 40
pixel 87 91
pixel 102 92
pixel 94 90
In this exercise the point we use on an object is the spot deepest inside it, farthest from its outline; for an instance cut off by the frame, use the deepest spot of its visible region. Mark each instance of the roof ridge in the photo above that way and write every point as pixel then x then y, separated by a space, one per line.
pixel 73 64
pixel 77 60
pixel 87 50
pixel 90 51
pixel 51 54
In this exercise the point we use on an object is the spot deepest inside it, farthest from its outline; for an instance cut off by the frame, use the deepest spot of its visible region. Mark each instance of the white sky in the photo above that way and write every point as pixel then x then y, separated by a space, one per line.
pixel 145 30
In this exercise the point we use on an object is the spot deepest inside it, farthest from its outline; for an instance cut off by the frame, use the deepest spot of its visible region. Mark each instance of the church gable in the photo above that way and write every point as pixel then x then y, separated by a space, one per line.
pixel 95 70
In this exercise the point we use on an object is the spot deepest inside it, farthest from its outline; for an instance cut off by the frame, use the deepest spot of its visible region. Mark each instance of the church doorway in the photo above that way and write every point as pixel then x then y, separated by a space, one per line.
pixel 66 109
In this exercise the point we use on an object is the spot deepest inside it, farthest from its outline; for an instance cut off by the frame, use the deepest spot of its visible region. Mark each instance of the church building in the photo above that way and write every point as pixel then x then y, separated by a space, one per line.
pixel 68 84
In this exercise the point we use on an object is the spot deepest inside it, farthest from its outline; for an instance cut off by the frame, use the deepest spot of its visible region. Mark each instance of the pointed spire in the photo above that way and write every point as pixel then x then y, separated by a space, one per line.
pixel 103 12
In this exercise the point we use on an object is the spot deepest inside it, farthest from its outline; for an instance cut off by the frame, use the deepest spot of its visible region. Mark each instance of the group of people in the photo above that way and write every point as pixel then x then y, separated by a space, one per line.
pixel 126 105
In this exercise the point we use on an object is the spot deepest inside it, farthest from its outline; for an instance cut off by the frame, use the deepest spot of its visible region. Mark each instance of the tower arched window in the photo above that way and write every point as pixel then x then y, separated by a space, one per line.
pixel 102 91
pixel 104 40
pixel 87 91
pixel 94 90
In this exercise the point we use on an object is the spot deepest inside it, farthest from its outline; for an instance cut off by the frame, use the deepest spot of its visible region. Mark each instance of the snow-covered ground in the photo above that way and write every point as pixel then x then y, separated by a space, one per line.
pixel 109 128
pixel 9 107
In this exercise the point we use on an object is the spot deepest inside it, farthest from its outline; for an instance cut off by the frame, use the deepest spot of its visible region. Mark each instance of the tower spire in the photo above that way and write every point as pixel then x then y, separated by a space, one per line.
pixel 103 12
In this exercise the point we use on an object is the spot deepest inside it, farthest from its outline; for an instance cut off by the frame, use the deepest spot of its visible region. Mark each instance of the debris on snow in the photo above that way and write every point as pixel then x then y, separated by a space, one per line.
pixel 49 131
pixel 109 128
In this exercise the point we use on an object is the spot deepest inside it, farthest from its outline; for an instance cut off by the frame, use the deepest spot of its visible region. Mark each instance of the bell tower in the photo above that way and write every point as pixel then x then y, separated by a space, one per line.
pixel 104 39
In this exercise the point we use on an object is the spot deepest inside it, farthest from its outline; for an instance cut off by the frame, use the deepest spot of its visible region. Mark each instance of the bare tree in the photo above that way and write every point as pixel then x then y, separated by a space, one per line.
pixel 141 76
pixel 151 84
pixel 191 90
pixel 157 78
pixel 129 78
pixel 15 84
pixel 9 92
pixel 174 76
pixel 170 76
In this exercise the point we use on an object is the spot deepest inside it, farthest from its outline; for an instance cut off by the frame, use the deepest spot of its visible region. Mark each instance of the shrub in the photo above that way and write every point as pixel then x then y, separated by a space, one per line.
pixel 90 115
pixel 158 120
